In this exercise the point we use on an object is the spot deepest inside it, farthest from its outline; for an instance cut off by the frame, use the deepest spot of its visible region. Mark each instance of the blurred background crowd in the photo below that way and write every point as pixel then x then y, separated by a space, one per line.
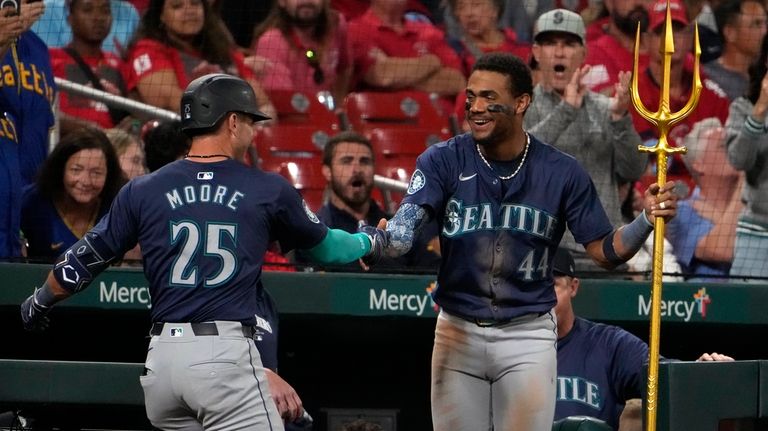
pixel 357 89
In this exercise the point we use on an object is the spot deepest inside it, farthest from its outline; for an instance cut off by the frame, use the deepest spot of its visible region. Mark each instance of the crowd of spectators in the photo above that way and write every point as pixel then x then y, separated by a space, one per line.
pixel 150 50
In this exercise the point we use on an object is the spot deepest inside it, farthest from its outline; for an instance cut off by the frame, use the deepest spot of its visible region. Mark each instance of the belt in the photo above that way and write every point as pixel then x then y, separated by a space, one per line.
pixel 487 323
pixel 202 329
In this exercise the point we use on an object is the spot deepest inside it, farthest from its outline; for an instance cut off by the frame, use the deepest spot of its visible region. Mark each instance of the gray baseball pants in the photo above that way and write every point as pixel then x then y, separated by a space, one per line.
pixel 499 378
pixel 207 382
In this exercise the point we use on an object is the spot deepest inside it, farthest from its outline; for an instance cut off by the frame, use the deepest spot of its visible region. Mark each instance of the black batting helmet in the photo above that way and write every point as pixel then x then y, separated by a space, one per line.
pixel 208 98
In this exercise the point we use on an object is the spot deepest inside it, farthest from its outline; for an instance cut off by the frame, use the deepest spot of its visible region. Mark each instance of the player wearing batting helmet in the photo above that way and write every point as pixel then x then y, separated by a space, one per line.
pixel 204 224
pixel 503 199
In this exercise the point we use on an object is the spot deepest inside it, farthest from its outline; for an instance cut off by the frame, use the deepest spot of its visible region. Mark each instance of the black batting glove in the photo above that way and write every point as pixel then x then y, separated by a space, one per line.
pixel 379 241
pixel 34 315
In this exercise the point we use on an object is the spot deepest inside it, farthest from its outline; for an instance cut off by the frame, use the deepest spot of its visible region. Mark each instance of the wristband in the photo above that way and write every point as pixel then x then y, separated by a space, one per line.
pixel 44 296
pixel 754 126
pixel 610 252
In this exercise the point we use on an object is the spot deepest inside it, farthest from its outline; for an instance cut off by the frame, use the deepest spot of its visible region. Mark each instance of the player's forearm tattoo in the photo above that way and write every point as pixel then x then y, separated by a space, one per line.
pixel 404 226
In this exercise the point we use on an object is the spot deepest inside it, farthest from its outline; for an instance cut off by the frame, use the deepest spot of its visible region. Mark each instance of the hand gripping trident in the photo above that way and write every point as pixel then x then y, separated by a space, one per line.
pixel 663 120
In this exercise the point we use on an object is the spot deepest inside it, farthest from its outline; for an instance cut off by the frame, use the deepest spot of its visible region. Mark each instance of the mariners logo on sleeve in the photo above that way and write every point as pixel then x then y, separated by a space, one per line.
pixel 417 182
pixel 310 214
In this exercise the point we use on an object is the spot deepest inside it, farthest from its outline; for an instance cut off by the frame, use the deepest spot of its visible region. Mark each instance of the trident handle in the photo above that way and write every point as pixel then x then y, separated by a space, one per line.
pixel 664 120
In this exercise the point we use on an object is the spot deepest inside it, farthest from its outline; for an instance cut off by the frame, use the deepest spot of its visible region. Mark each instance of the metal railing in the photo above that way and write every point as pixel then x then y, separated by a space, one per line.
pixel 144 110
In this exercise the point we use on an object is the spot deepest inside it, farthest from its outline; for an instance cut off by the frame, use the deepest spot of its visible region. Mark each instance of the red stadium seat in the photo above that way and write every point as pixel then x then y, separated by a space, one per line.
pixel 404 109
pixel 295 107
pixel 412 141
pixel 295 152
pixel 396 151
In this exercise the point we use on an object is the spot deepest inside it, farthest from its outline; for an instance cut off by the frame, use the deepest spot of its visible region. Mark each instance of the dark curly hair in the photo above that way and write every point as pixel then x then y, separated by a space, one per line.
pixel 347 136
pixel 214 43
pixel 164 144
pixel 511 66
pixel 50 178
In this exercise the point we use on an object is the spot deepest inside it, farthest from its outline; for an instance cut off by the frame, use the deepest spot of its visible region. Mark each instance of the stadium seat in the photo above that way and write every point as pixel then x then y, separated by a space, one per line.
pixel 396 151
pixel 405 109
pixel 295 107
pixel 295 152
pixel 412 141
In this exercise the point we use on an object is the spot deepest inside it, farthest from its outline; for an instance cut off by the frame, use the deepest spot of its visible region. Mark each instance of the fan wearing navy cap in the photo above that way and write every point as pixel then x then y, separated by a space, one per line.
pixel 599 367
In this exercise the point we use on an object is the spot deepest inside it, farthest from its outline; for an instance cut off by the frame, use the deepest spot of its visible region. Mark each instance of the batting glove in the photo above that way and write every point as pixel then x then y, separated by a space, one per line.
pixel 379 241
pixel 34 315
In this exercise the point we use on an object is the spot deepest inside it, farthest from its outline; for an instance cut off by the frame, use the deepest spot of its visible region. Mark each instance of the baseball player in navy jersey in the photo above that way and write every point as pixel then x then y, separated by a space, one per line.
pixel 503 199
pixel 203 224
pixel 599 367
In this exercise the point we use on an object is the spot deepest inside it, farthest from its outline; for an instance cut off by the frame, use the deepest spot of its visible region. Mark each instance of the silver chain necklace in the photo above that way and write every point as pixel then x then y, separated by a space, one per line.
pixel 512 175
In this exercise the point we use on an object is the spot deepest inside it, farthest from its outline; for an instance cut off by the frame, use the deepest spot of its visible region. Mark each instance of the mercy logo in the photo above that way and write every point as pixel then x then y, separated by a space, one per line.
pixel 678 308
pixel 702 300
pixel 397 302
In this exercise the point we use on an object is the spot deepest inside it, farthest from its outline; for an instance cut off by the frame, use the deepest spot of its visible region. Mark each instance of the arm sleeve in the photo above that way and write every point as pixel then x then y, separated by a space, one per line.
pixel 339 246
pixel 630 163
pixel 405 226
pixel 743 142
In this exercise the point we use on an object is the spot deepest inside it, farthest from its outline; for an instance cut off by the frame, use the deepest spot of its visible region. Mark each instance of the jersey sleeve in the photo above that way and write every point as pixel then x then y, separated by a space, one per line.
pixel 683 233
pixel 630 354
pixel 296 226
pixel 428 186
pixel 146 57
pixel 586 216
pixel 361 46
pixel 438 46
pixel 119 227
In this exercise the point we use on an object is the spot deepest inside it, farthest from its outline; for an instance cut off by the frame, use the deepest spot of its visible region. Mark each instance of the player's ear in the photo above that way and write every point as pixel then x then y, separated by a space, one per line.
pixel 522 103
pixel 575 284
pixel 326 173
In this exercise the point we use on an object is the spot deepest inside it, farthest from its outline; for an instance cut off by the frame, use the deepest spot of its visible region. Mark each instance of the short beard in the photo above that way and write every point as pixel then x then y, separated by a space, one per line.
pixel 628 24
pixel 357 200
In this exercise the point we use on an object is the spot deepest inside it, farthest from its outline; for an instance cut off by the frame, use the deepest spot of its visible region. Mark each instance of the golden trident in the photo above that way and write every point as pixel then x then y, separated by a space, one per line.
pixel 663 119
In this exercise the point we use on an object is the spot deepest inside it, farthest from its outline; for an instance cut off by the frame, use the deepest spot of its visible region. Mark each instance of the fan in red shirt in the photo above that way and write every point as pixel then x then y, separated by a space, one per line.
pixel 713 101
pixel 479 24
pixel 613 52
pixel 91 21
pixel 392 53
pixel 176 42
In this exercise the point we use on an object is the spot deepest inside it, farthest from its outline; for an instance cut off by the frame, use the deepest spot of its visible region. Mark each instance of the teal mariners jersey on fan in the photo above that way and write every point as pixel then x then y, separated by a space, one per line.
pixel 498 237
pixel 203 230
pixel 599 367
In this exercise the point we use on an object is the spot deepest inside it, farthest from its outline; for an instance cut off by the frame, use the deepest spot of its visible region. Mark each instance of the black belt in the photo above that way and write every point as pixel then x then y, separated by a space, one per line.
pixel 487 323
pixel 202 329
